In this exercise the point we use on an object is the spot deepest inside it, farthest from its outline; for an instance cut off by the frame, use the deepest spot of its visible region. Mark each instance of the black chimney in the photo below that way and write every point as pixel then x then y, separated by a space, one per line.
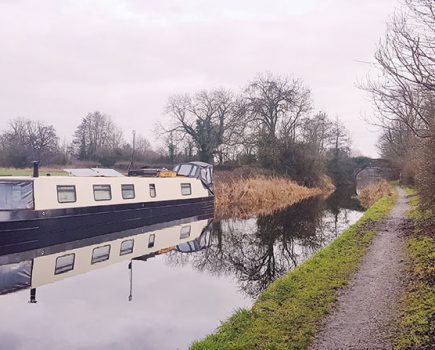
pixel 33 296
pixel 35 168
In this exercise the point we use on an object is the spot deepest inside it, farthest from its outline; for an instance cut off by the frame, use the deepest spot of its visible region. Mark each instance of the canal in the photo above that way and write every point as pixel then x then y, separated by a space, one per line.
pixel 169 298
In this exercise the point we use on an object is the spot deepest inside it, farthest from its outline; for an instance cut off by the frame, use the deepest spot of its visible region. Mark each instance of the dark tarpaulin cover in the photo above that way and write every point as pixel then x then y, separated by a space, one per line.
pixel 16 195
pixel 15 276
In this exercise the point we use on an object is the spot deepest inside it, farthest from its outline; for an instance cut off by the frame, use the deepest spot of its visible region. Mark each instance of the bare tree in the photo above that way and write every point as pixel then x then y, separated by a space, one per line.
pixel 339 138
pixel 42 139
pixel 396 141
pixel 98 138
pixel 317 131
pixel 26 140
pixel 404 91
pixel 143 149
pixel 209 119
pixel 277 105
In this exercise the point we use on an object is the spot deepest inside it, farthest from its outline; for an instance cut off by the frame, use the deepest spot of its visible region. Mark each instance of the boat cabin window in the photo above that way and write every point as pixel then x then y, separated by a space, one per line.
pixel 64 263
pixel 100 254
pixel 153 192
pixel 151 240
pixel 102 193
pixel 186 189
pixel 185 232
pixel 186 170
pixel 66 194
pixel 126 247
pixel 16 195
pixel 127 191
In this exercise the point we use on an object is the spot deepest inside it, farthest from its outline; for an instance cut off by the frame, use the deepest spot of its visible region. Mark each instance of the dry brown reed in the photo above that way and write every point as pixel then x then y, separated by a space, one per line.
pixel 373 192
pixel 327 186
pixel 259 195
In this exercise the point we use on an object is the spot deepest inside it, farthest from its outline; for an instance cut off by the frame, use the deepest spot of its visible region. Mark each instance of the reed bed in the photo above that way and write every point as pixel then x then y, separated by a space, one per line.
pixel 247 197
pixel 373 192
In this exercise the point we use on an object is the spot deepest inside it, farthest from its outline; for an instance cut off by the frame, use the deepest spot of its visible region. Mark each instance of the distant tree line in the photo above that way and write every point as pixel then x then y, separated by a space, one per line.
pixel 270 124
pixel 27 140
pixel 403 93
pixel 96 141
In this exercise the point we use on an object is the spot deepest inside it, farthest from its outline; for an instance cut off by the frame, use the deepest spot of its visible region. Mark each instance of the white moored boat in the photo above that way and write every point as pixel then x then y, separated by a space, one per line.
pixel 40 211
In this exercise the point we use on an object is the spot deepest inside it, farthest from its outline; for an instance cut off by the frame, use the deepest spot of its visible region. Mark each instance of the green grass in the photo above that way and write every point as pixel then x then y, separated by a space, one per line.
pixel 416 327
pixel 288 314
pixel 29 171
pixel 413 201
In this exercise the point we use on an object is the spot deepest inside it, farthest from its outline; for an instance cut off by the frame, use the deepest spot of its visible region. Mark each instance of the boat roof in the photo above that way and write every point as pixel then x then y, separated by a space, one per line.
pixel 201 164
pixel 93 172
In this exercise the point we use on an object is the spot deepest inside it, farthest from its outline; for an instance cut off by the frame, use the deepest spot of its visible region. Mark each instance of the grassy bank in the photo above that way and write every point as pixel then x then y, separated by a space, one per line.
pixel 288 314
pixel 244 197
pixel 29 171
pixel 417 322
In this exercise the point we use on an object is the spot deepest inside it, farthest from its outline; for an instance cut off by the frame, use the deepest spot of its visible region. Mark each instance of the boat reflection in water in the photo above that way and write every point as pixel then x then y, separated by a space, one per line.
pixel 36 268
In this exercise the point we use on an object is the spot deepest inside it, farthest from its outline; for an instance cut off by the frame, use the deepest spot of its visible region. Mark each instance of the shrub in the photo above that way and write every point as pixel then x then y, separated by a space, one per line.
pixel 426 172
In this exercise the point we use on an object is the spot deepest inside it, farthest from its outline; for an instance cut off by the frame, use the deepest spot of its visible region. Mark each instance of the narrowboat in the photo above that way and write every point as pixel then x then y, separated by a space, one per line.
pixel 39 211
pixel 50 264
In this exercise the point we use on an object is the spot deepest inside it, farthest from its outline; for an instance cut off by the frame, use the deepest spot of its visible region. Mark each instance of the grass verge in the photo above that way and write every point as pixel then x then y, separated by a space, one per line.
pixel 288 314
pixel 29 171
pixel 416 327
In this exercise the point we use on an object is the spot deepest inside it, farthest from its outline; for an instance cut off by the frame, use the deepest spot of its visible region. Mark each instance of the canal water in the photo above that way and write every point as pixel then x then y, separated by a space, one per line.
pixel 166 301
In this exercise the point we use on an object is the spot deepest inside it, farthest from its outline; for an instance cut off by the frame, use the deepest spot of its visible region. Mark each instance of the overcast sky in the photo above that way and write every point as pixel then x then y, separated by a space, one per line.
pixel 62 59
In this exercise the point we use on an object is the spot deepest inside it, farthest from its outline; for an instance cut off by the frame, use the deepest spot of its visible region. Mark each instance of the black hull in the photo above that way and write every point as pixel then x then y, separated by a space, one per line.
pixel 33 230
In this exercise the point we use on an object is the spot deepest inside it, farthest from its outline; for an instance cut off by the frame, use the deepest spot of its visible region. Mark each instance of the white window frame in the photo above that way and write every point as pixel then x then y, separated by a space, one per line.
pixel 125 251
pixel 185 186
pixel 59 190
pixel 65 268
pixel 95 188
pixel 130 188
pixel 152 187
pixel 96 260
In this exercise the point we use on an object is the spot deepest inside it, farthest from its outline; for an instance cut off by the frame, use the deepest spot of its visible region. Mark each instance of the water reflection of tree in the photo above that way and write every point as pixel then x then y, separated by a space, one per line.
pixel 271 251
pixel 257 251
pixel 343 198
pixel 340 204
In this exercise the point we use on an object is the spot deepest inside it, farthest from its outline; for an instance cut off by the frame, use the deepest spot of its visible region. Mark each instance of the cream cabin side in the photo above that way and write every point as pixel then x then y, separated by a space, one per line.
pixel 73 192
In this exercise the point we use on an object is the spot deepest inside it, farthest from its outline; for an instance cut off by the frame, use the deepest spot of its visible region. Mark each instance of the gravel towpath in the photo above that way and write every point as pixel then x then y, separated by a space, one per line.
pixel 367 307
